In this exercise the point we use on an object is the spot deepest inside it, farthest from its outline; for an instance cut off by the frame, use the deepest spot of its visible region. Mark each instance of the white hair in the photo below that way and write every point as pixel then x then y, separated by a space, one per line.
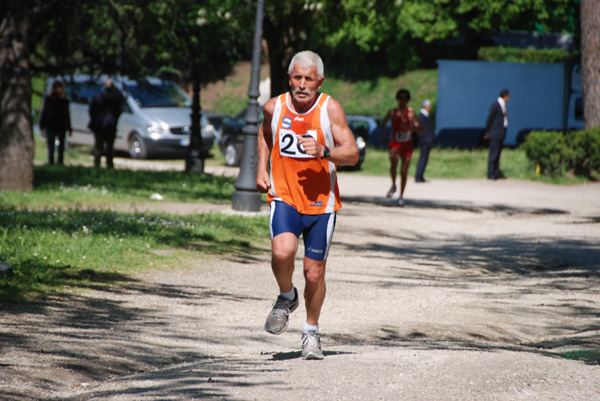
pixel 426 103
pixel 307 59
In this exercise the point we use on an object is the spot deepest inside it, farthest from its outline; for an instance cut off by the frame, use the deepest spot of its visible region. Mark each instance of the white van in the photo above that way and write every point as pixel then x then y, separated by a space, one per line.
pixel 156 118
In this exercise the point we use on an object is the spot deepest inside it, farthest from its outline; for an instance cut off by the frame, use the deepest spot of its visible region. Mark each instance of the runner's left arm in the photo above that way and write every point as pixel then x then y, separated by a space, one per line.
pixel 415 123
pixel 345 152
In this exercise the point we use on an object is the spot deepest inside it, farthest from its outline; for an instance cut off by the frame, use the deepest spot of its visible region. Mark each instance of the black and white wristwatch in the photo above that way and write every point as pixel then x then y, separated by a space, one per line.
pixel 326 152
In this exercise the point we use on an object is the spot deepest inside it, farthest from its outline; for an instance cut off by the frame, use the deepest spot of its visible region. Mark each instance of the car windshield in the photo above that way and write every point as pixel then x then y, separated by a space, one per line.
pixel 165 94
pixel 83 92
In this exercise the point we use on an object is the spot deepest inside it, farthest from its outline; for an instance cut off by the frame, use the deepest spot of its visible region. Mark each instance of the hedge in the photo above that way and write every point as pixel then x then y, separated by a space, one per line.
pixel 556 152
pixel 585 148
pixel 518 55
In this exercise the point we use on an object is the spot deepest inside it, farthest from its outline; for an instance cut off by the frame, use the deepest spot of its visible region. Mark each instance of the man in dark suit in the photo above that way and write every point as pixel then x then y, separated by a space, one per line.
pixel 495 131
pixel 426 139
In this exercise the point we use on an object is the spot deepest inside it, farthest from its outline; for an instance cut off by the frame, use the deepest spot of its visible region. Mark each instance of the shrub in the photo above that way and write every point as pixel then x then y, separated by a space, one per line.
pixel 548 150
pixel 585 151
pixel 517 55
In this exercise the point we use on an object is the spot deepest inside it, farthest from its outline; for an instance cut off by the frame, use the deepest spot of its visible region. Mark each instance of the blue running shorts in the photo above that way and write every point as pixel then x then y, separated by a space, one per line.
pixel 316 230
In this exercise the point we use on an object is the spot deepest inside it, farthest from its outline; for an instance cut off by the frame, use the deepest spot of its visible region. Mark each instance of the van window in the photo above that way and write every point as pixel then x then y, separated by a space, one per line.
pixel 82 92
pixel 157 95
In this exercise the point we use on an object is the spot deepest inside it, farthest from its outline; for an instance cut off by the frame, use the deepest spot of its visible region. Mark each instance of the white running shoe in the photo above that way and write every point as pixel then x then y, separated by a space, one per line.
pixel 277 321
pixel 400 201
pixel 311 345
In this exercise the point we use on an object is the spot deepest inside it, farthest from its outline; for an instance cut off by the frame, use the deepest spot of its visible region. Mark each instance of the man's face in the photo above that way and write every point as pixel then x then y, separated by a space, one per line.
pixel 304 84
pixel 403 101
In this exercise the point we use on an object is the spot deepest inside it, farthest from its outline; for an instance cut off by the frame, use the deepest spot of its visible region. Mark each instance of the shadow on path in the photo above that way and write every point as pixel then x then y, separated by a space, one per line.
pixel 450 205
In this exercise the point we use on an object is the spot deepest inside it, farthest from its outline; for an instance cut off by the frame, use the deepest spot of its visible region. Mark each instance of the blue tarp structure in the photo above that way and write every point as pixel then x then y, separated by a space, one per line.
pixel 466 90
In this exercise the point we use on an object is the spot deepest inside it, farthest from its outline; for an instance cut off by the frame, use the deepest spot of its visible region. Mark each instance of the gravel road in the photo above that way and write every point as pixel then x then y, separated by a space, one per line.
pixel 475 290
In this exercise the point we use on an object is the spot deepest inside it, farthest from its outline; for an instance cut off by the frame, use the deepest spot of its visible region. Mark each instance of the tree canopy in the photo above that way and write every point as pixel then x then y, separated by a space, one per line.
pixel 357 38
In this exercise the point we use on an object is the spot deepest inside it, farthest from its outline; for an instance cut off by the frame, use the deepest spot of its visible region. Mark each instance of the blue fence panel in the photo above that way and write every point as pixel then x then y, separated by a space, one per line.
pixel 467 89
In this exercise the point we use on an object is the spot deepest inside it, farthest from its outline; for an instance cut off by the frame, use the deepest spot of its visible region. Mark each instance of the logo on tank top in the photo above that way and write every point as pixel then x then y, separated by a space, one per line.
pixel 316 204
pixel 286 122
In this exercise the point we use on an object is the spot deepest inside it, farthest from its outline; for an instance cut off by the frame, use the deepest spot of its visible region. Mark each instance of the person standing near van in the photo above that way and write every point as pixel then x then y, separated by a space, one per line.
pixel 56 121
pixel 105 109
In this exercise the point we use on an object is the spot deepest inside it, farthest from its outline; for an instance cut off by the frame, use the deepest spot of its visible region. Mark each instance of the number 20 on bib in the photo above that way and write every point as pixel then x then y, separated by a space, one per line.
pixel 289 146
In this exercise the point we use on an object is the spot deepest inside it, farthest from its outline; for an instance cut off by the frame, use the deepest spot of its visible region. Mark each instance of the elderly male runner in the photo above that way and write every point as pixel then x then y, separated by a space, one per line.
pixel 304 135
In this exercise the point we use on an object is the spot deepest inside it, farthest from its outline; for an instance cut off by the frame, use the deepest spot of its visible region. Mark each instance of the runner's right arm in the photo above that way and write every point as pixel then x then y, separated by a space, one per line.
pixel 265 145
pixel 388 116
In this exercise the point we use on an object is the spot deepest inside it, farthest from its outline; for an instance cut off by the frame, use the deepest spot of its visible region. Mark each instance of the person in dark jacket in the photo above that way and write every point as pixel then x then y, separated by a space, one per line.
pixel 426 139
pixel 56 121
pixel 105 109
pixel 495 131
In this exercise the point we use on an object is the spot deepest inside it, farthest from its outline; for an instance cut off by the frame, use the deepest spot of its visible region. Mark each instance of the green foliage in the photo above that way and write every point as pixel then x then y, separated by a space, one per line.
pixel 231 104
pixel 556 152
pixel 68 185
pixel 517 55
pixel 585 151
pixel 357 38
pixel 75 155
pixel 137 38
pixel 442 19
pixel 548 150
pixel 375 97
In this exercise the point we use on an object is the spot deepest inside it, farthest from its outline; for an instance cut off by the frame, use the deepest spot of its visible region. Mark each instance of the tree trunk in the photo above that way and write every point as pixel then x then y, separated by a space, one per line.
pixel 16 127
pixel 590 61
pixel 283 41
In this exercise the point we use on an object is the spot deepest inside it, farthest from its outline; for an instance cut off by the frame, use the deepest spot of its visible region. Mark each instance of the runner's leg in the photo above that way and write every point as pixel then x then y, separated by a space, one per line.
pixel 394 156
pixel 314 290
pixel 404 174
pixel 284 247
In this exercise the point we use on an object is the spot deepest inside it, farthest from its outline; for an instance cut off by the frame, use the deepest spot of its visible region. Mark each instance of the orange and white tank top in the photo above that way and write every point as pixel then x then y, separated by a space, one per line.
pixel 401 125
pixel 307 183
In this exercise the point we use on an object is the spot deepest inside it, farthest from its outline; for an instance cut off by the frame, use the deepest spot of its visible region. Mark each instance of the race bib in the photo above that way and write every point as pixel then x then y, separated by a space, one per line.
pixel 400 136
pixel 289 146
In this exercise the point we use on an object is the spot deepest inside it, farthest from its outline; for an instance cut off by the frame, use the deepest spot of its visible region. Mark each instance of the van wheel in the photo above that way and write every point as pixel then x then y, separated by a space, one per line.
pixel 137 147
pixel 233 154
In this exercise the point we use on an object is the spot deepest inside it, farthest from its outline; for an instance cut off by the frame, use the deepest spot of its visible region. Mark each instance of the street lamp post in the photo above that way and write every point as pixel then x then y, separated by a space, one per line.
pixel 194 162
pixel 246 197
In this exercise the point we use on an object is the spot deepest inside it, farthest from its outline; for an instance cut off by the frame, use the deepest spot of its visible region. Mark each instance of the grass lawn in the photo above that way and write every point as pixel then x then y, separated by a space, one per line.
pixel 458 163
pixel 51 249
pixel 62 235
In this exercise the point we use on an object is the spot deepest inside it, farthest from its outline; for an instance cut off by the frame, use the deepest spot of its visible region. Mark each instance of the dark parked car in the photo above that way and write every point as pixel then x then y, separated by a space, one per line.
pixel 232 141
pixel 213 122
pixel 369 128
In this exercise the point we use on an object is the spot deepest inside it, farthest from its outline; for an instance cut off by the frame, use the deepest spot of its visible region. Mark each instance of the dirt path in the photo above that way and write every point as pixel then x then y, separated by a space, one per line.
pixel 475 290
